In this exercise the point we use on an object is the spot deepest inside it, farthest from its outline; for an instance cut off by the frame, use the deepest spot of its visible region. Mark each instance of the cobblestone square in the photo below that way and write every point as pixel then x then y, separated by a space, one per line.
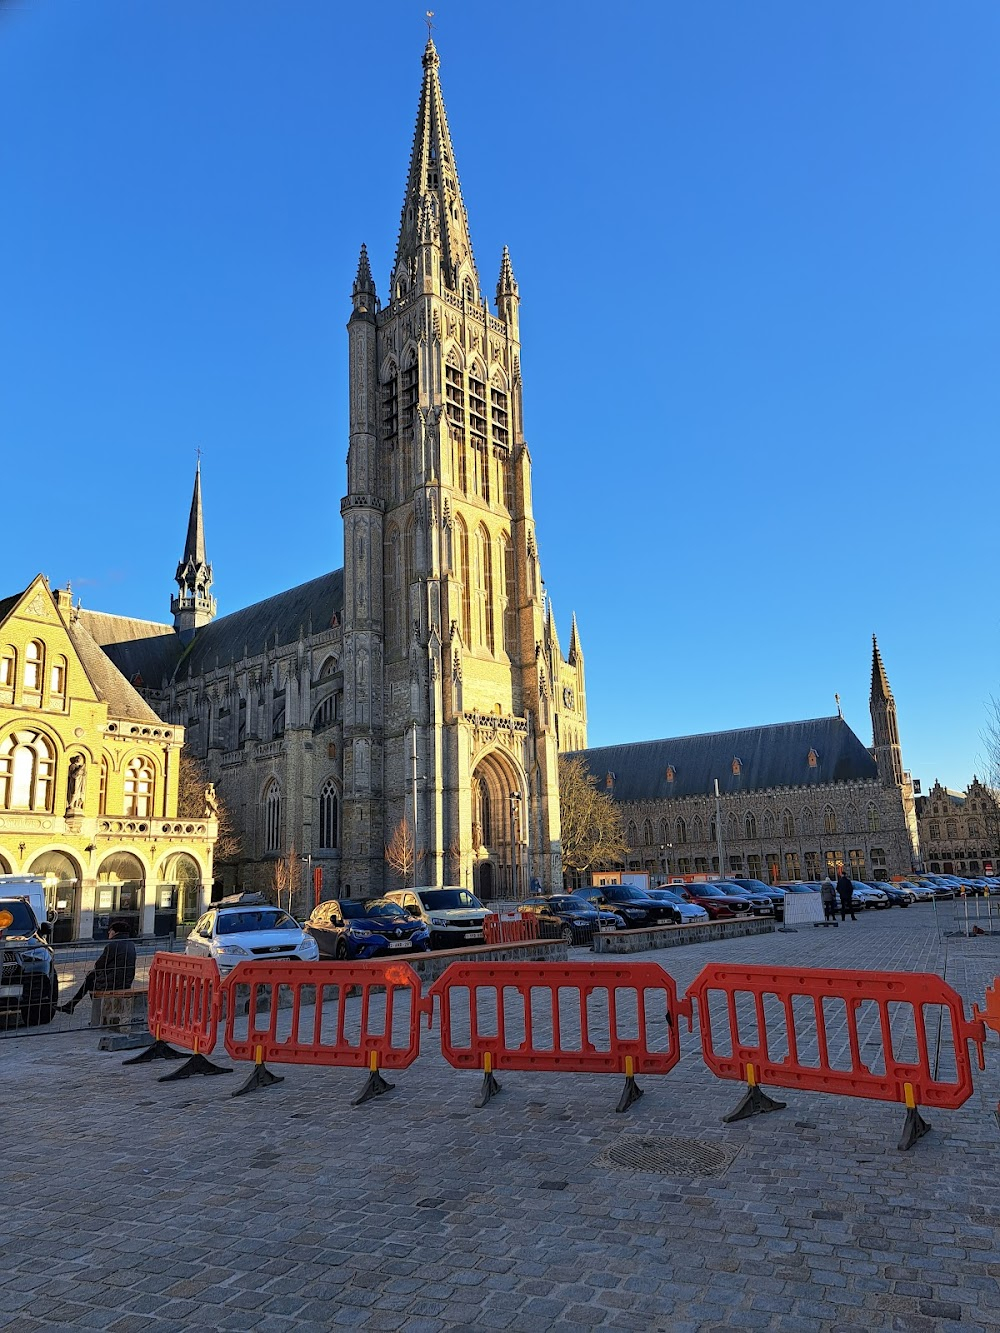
pixel 138 1205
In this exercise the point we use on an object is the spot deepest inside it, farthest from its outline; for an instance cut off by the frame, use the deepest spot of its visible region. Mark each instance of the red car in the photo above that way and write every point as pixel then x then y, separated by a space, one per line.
pixel 717 904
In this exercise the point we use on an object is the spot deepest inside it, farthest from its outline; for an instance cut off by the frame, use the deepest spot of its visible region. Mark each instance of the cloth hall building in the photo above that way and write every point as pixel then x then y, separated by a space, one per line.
pixel 422 684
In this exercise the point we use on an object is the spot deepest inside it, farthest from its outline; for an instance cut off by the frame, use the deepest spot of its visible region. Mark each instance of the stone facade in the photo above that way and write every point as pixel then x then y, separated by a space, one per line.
pixel 960 831
pixel 794 798
pixel 423 685
pixel 89 779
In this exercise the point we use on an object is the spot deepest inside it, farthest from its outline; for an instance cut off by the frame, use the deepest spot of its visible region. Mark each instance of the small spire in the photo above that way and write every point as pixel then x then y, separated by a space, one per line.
pixel 575 651
pixel 364 282
pixel 880 681
pixel 506 283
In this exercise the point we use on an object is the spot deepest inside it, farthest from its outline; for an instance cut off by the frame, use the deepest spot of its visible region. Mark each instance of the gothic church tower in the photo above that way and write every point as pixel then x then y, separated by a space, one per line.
pixel 453 681
pixel 194 604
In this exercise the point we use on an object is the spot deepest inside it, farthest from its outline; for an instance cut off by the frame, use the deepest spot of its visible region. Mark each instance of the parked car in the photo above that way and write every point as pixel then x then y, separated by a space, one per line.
pixel 355 929
pixel 761 903
pixel 773 891
pixel 563 915
pixel 453 915
pixel 718 905
pixel 244 927
pixel 638 908
pixel 29 985
pixel 897 897
pixel 690 912
pixel 867 897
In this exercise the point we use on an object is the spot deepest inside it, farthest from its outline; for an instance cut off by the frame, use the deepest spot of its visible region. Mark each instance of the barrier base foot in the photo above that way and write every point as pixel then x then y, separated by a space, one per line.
pixel 630 1093
pixel 756 1102
pixel 260 1078
pixel 914 1127
pixel 197 1064
pixel 788 930
pixel 160 1050
pixel 375 1087
pixel 489 1089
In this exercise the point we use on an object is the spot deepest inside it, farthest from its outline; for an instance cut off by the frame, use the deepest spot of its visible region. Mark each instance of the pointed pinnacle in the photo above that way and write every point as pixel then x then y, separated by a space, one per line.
pixel 880 681
pixel 506 283
pixel 364 282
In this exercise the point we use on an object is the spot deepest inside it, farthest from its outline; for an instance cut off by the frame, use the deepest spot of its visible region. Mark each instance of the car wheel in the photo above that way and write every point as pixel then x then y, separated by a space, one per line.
pixel 41 1011
pixel 566 934
pixel 340 952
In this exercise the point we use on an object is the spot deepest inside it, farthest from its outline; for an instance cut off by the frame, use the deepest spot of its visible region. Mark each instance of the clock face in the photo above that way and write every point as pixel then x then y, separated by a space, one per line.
pixel 568 697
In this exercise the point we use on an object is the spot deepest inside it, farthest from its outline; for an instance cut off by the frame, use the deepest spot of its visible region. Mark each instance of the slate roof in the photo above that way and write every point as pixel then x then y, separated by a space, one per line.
pixel 123 701
pixel 308 609
pixel 772 756
pixel 142 650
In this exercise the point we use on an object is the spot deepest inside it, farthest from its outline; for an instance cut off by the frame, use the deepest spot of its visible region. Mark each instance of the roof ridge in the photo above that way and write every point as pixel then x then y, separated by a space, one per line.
pixel 700 735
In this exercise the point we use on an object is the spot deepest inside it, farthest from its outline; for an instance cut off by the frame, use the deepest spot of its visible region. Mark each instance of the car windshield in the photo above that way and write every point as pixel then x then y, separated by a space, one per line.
pixel 664 895
pixel 441 900
pixel 377 907
pixel 566 903
pixel 707 891
pixel 24 918
pixel 236 923
pixel 618 893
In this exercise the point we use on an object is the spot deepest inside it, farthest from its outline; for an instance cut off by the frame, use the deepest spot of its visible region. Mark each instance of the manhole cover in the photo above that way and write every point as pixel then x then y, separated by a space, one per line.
pixel 669 1156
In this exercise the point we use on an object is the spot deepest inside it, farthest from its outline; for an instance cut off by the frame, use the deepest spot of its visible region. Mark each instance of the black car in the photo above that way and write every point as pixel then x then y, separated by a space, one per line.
pixel 897 898
pixel 563 916
pixel 636 907
pixel 29 985
pixel 762 903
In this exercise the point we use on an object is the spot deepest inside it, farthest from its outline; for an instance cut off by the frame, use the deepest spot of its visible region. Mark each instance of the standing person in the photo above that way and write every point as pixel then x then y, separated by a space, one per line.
pixel 828 893
pixel 114 969
pixel 845 891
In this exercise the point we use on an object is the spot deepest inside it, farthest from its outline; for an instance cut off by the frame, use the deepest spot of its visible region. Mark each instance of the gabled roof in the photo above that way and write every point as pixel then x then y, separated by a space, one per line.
pixel 123 701
pixel 307 609
pixel 143 651
pixel 766 757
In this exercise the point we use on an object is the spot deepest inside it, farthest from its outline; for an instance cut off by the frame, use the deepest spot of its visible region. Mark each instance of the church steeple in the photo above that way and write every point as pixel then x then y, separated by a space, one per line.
pixel 194 605
pixel 885 729
pixel 433 211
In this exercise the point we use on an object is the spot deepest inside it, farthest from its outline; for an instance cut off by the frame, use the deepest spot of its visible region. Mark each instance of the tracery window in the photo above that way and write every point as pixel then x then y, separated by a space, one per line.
pixel 874 822
pixel 750 826
pixel 788 826
pixel 27 770
pixel 680 831
pixel 329 811
pixel 829 820
pixel 139 784
pixel 272 817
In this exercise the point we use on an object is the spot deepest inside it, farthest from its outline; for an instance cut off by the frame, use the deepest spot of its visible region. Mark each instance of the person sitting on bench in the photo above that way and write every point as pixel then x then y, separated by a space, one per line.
pixel 114 970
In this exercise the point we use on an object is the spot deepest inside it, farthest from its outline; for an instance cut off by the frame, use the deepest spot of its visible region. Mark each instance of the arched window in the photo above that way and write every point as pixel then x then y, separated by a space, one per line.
pixel 393 575
pixel 808 822
pixel 874 823
pixel 829 820
pixel 768 825
pixel 732 829
pixel 8 667
pixel 498 411
pixel 390 403
pixel 139 788
pixel 27 769
pixel 750 826
pixel 851 820
pixel 664 835
pixel 484 591
pixel 508 597
pixel 329 815
pixel 462 575
pixel 102 805
pixel 34 666
pixel 632 834
pixel 787 824
pixel 485 814
pixel 57 683
pixel 680 831
pixel 477 408
pixel 647 833
pixel 329 668
pixel 409 393
pixel 697 830
pixel 272 817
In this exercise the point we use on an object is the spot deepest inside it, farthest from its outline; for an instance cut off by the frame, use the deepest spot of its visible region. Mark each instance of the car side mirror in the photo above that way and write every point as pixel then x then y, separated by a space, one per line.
pixel 44 930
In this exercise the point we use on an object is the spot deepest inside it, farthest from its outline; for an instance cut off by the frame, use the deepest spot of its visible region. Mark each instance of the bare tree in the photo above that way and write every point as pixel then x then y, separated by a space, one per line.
pixel 285 875
pixel 401 852
pixel 593 832
pixel 191 805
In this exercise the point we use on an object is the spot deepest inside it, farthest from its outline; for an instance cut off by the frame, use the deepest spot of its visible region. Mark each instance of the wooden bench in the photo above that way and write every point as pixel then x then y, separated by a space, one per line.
pixel 119 1008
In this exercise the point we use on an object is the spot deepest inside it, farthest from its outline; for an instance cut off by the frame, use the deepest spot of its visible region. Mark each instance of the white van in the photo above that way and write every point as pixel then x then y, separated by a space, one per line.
pixel 25 886
pixel 454 916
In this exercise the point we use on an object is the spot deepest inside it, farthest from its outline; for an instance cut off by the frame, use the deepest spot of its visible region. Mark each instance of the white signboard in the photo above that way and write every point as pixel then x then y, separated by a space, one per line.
pixel 803 909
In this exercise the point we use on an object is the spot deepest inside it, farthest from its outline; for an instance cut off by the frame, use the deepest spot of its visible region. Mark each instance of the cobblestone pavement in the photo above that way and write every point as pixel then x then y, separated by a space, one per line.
pixel 130 1204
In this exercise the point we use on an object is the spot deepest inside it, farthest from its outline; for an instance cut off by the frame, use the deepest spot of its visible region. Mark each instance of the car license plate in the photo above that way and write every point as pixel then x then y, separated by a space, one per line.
pixel 8 992
pixel 473 934
pixel 399 944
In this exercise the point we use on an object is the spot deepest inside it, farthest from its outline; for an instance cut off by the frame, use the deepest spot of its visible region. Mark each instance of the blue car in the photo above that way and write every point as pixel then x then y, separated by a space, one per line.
pixel 345 929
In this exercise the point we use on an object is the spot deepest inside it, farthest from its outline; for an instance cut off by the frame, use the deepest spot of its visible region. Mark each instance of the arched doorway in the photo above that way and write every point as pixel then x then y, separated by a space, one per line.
pixel 61 877
pixel 178 896
pixel 499 848
pixel 121 883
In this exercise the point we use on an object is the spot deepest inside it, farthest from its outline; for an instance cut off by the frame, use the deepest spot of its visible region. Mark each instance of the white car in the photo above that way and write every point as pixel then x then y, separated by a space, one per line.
pixel 233 932
pixel 868 897
pixel 690 912
pixel 454 916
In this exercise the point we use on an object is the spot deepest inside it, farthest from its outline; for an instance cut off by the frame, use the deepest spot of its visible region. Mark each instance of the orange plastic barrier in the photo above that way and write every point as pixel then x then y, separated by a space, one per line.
pixel 797 1017
pixel 185 1007
pixel 361 1033
pixel 500 929
pixel 564 1017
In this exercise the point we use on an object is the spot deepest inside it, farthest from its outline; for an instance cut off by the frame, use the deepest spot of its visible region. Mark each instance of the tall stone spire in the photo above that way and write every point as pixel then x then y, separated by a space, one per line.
pixel 194 605
pixel 363 292
pixel 885 729
pixel 433 211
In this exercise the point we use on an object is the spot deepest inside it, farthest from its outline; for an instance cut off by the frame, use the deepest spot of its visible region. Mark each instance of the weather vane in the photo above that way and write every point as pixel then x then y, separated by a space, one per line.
pixel 427 20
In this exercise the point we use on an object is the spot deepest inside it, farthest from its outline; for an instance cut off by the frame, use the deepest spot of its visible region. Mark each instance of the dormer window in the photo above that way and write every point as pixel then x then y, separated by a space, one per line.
pixel 813 759
pixel 737 767
pixel 609 781
pixel 670 773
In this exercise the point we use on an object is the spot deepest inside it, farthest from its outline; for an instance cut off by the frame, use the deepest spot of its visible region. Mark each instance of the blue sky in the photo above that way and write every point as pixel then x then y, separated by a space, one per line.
pixel 757 251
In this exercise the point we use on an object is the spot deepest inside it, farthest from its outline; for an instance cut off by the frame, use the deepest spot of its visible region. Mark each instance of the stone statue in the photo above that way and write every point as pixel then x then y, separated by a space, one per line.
pixel 211 802
pixel 76 785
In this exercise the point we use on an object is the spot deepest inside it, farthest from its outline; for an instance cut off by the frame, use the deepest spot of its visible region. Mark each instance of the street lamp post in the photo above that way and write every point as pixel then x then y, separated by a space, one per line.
pixel 515 810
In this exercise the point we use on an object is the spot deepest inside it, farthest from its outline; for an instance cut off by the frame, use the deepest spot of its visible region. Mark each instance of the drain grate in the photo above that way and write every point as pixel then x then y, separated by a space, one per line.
pixel 669 1156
